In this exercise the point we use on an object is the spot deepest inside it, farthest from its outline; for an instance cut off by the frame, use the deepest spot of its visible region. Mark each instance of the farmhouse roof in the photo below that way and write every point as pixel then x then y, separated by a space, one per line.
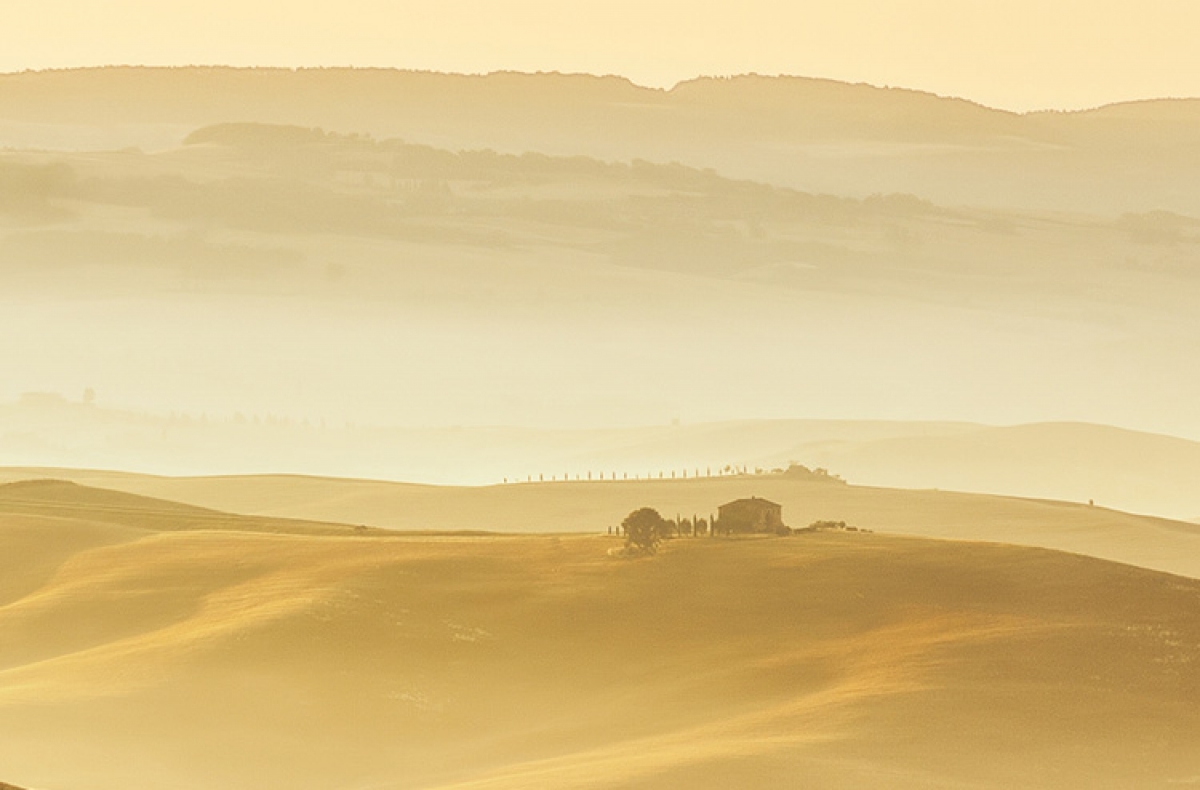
pixel 754 499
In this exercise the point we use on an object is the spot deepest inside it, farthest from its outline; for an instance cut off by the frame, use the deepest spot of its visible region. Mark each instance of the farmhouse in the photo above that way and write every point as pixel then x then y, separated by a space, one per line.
pixel 750 515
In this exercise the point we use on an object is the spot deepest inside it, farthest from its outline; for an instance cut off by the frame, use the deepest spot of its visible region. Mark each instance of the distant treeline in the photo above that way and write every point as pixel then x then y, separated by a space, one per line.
pixel 309 180
pixel 330 153
pixel 292 180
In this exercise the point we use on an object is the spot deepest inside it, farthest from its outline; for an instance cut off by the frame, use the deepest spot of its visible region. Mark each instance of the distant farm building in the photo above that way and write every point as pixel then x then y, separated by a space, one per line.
pixel 751 515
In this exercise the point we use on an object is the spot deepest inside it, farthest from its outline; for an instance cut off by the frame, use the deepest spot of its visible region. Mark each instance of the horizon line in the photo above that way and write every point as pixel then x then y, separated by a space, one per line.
pixel 664 89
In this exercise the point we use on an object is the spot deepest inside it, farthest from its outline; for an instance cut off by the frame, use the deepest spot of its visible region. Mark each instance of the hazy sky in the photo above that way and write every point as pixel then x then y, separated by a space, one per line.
pixel 1018 54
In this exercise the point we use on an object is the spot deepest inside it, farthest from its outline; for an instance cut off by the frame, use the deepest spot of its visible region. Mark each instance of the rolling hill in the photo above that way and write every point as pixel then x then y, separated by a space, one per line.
pixel 68 501
pixel 566 507
pixel 200 658
pixel 331 259
pixel 1128 470
pixel 811 134
pixel 1134 471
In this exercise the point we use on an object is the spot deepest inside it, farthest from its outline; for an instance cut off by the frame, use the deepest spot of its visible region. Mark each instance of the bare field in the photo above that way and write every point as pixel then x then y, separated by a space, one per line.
pixel 140 655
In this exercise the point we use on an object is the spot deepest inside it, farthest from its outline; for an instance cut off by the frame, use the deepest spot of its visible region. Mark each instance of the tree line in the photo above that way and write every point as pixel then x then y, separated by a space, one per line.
pixel 645 528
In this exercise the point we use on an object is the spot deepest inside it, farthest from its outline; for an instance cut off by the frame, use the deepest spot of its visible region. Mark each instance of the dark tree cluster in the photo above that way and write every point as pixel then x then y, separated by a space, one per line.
pixel 839 526
pixel 645 528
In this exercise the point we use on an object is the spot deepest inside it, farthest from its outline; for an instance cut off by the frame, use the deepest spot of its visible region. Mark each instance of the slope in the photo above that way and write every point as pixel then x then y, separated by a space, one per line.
pixel 65 501
pixel 204 659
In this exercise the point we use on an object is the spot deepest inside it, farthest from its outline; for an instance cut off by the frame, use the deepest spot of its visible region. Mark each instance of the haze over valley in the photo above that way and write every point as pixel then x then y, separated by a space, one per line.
pixel 572 252
pixel 402 430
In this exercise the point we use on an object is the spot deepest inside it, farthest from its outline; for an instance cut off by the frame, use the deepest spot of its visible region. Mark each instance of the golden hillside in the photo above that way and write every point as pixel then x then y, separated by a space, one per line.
pixel 141 656
pixel 66 501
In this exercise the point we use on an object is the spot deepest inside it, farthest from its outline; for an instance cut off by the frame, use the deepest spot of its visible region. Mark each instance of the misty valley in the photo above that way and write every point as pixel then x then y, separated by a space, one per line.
pixel 366 429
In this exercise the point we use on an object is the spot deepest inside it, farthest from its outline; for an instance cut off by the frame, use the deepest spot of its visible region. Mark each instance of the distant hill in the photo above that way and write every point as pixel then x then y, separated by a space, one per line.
pixel 815 135
pixel 513 104
pixel 752 247
pixel 68 501
pixel 1127 470
pixel 49 493
pixel 329 240
pixel 271 502
pixel 1130 470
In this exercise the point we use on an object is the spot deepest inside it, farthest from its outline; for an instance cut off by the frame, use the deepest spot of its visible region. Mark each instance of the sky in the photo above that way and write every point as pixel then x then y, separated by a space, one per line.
pixel 1017 54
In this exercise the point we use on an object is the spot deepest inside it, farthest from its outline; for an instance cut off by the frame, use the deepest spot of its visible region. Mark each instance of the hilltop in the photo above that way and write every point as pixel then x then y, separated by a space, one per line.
pixel 594 507
pixel 1134 471
pixel 68 502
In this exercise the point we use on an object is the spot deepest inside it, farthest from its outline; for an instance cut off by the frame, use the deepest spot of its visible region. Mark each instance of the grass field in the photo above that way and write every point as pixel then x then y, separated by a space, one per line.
pixel 148 644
